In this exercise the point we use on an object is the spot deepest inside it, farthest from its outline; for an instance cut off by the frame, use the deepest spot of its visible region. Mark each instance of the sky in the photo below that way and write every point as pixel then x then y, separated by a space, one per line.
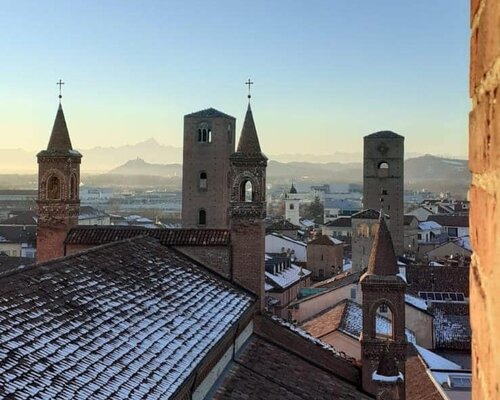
pixel 325 73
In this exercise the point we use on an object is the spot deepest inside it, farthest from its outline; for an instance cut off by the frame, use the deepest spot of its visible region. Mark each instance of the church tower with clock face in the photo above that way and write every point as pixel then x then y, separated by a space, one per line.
pixel 383 180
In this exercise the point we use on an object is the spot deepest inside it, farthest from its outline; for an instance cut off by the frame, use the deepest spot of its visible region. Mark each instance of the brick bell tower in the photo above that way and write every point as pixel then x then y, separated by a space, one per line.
pixel 247 210
pixel 58 201
pixel 383 354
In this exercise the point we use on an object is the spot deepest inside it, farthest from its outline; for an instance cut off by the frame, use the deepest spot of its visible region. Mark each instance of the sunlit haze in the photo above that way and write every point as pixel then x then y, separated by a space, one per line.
pixel 326 73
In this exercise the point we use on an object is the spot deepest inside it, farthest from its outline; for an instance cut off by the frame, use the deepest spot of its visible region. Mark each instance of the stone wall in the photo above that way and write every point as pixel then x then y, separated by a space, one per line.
pixel 484 163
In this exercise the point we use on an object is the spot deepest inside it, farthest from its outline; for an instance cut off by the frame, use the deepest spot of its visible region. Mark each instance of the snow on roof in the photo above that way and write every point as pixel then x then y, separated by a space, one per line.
pixel 288 239
pixel 416 301
pixel 464 241
pixel 288 276
pixel 310 338
pixel 352 322
pixel 383 378
pixel 436 264
pixel 131 319
pixel 307 223
pixel 435 361
pixel 347 265
pixel 428 225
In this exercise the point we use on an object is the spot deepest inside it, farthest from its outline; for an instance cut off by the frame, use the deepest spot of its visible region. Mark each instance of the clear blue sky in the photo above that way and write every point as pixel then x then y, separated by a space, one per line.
pixel 326 72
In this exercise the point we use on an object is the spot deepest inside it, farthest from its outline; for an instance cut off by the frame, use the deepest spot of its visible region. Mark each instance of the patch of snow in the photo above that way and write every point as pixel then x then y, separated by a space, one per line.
pixel 416 302
pixel 403 278
pixel 288 276
pixel 383 378
pixel 435 361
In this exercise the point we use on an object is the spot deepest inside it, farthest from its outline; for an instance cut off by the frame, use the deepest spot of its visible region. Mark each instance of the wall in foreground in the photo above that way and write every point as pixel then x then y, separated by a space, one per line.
pixel 484 162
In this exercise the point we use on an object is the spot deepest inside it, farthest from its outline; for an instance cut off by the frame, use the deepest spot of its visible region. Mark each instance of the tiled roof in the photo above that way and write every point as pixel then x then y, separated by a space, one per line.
pixel 129 320
pixel 450 220
pixel 266 371
pixel 208 113
pixel 18 233
pixel 452 331
pixel 8 263
pixel 282 225
pixel 384 134
pixel 350 323
pixel 325 240
pixel 422 278
pixel 418 383
pixel 408 219
pixel 367 214
pixel 96 235
pixel 341 222
pixel 24 218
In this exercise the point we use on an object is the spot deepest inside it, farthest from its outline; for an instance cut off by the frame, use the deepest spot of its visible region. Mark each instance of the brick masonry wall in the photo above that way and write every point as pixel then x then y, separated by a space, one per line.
pixel 484 163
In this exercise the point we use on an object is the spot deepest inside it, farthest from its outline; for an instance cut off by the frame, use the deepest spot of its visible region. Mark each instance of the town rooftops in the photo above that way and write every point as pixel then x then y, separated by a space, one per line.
pixel 23 218
pixel 96 235
pixel 347 317
pixel 208 113
pixel 17 233
pixel 408 219
pixel 384 135
pixel 131 319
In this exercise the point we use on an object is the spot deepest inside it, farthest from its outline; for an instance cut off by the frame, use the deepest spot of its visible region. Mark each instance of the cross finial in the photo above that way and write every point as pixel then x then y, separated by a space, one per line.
pixel 60 83
pixel 249 82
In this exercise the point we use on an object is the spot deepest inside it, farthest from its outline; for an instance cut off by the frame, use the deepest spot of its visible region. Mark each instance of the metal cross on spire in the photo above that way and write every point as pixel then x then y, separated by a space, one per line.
pixel 60 83
pixel 249 82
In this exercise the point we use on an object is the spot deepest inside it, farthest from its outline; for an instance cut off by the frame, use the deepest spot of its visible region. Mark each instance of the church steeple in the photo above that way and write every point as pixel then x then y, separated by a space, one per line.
pixel 382 258
pixel 247 210
pixel 383 353
pixel 58 202
pixel 249 141
pixel 59 139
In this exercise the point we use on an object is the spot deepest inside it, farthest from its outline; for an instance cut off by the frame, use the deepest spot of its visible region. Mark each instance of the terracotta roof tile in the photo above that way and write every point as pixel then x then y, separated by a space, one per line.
pixel 263 370
pixel 96 235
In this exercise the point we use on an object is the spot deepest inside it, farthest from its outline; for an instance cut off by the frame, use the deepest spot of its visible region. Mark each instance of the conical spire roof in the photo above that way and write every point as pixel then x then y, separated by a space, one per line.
pixel 387 364
pixel 59 139
pixel 293 190
pixel 249 141
pixel 382 258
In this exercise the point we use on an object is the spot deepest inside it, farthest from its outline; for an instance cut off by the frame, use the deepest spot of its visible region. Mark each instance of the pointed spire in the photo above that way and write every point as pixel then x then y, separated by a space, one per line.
pixel 249 141
pixel 59 139
pixel 387 364
pixel 292 189
pixel 382 258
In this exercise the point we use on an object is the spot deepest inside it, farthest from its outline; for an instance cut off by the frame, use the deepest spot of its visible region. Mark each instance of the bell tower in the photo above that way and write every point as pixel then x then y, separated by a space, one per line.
pixel 383 354
pixel 58 202
pixel 247 210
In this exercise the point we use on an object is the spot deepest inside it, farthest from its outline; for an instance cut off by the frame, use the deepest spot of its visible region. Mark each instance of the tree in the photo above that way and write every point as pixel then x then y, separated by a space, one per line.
pixel 315 211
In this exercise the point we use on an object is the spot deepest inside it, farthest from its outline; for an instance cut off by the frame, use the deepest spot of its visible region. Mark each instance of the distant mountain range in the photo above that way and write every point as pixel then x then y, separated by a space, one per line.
pixel 101 159
pixel 421 172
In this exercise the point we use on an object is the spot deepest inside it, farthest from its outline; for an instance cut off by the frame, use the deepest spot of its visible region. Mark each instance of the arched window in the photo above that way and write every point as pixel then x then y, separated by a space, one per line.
pixel 383 169
pixel 384 327
pixel 204 136
pixel 199 135
pixel 73 187
pixel 209 135
pixel 292 206
pixel 246 191
pixel 202 217
pixel 203 181
pixel 53 188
